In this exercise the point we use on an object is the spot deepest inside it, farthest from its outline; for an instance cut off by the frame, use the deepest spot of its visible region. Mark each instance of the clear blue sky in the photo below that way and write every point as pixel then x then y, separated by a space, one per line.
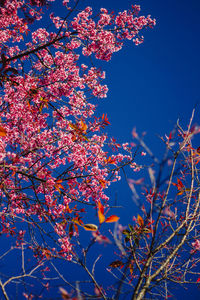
pixel 153 84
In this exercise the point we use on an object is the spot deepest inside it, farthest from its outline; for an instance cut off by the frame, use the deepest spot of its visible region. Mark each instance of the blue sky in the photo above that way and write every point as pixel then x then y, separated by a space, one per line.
pixel 153 84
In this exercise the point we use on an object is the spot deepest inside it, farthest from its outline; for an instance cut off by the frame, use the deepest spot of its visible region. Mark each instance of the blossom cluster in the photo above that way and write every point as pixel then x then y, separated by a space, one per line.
pixel 54 152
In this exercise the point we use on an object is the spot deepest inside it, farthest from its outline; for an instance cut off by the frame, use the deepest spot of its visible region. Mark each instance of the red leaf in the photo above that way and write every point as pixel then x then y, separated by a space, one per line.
pixel 100 207
pixel 179 186
pixel 180 183
pixel 76 228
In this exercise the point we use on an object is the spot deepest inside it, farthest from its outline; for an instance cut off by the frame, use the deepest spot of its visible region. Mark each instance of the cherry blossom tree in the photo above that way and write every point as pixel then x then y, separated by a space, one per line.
pixel 56 160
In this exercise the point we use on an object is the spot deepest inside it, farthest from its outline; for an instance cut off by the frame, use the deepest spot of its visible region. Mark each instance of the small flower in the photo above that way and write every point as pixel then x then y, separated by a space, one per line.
pixel 196 245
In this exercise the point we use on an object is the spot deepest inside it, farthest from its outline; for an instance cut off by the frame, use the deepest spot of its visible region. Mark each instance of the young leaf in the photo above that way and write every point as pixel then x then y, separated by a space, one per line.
pixel 58 185
pixel 180 183
pixel 90 227
pixel 103 183
pixel 71 230
pixel 83 126
pixel 110 160
pixel 3 132
pixel 140 221
pixel 76 228
pixel 126 232
pixel 116 264
pixel 100 207
pixel 131 228
pixel 47 253
pixel 181 192
pixel 78 221
pixel 64 294
pixel 101 217
pixel 101 212
pixel 131 268
pixel 112 219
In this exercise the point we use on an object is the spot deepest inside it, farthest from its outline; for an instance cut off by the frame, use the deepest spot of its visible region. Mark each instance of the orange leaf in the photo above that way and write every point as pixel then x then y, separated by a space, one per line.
pixel 90 227
pixel 71 125
pixel 100 207
pixel 101 217
pixel 68 209
pixel 58 189
pixel 100 212
pixel 116 264
pixel 140 221
pixel 103 183
pixel 83 126
pixel 29 106
pixel 59 181
pixel 76 228
pixel 3 132
pixel 13 173
pixel 79 222
pixel 112 219
pixel 181 192
pixel 47 253
pixel 58 185
pixel 110 160
pixel 131 268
